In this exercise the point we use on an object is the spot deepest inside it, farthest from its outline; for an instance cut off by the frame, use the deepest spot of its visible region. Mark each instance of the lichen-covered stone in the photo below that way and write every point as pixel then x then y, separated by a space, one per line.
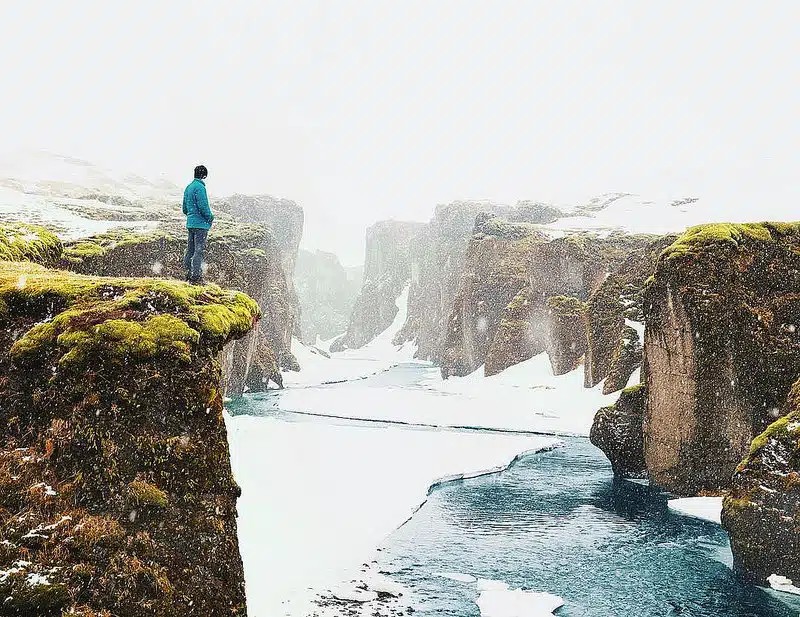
pixel 722 347
pixel 243 257
pixel 617 431
pixel 25 242
pixel 762 510
pixel 116 493
pixel 566 333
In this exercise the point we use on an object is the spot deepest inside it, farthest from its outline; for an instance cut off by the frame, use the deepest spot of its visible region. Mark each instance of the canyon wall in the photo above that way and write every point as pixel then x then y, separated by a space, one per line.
pixel 721 347
pixel 116 493
pixel 502 313
pixel 327 292
pixel 761 511
pixel 390 247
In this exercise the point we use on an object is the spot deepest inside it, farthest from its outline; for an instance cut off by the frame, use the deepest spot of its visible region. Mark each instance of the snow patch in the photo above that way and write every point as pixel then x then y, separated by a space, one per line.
pixel 706 508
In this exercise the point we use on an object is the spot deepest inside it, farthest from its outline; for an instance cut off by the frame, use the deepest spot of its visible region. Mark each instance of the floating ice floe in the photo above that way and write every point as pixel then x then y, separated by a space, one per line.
pixel 781 583
pixel 496 599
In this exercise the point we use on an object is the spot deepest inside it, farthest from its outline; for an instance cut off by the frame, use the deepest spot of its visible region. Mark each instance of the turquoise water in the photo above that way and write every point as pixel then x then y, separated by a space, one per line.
pixel 556 522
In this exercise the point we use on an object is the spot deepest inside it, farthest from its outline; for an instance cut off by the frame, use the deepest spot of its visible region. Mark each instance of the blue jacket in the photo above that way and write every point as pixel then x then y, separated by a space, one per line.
pixel 195 206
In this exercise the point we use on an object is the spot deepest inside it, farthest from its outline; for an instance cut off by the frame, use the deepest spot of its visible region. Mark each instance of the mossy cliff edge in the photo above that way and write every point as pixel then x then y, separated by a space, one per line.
pixel 116 493
pixel 762 511
pixel 243 257
pixel 722 347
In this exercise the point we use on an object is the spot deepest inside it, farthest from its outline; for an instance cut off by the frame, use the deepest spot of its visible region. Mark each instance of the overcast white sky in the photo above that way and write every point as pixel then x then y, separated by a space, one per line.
pixel 369 110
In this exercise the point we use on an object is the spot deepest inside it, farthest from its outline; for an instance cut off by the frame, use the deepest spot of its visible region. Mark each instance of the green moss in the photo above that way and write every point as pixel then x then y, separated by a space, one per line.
pixel 119 318
pixel 776 430
pixel 566 306
pixel 631 390
pixel 222 235
pixel 700 236
pixel 24 242
pixel 145 494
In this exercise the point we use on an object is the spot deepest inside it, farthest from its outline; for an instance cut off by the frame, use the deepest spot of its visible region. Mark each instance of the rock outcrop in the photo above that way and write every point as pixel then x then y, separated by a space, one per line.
pixel 503 259
pixel 566 333
pixel 327 293
pixel 762 509
pixel 614 314
pixel 282 216
pixel 243 257
pixel 722 348
pixel 617 431
pixel 116 493
pixel 387 271
pixel 438 262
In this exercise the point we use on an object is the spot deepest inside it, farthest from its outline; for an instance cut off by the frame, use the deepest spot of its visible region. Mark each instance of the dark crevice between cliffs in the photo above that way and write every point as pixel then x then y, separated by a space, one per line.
pixel 116 492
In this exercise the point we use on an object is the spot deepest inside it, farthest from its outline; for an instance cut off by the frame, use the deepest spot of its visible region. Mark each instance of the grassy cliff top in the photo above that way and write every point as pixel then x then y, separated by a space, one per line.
pixel 232 235
pixel 702 237
pixel 25 242
pixel 83 317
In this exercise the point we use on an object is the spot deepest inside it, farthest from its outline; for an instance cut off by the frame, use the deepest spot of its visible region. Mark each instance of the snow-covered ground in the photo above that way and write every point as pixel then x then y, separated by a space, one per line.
pixel 374 357
pixel 525 397
pixel 318 498
pixel 706 508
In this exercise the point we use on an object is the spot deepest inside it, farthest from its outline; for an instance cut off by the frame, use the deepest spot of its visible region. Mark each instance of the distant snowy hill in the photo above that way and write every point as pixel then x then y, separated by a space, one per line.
pixel 54 175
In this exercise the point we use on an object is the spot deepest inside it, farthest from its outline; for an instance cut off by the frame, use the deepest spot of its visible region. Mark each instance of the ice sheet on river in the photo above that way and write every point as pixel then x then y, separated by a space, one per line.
pixel 524 397
pixel 318 498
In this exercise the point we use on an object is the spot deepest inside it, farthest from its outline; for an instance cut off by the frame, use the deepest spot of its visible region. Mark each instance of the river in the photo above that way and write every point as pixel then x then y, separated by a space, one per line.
pixel 555 521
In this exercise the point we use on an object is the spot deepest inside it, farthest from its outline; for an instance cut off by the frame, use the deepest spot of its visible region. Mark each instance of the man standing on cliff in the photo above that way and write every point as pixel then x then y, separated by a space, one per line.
pixel 198 221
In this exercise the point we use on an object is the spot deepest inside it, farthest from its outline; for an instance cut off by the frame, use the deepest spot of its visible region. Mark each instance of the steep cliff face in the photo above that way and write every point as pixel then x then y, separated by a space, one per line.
pixel 761 511
pixel 284 218
pixel 327 293
pixel 614 349
pixel 387 270
pixel 722 349
pixel 566 333
pixel 243 257
pixel 437 265
pixel 503 259
pixel 617 431
pixel 116 493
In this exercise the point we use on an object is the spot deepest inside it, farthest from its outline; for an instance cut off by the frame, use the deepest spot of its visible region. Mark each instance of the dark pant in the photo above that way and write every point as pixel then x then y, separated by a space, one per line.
pixel 195 249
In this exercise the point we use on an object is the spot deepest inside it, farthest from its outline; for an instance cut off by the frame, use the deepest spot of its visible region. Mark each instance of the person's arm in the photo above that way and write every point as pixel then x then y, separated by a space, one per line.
pixel 185 211
pixel 202 204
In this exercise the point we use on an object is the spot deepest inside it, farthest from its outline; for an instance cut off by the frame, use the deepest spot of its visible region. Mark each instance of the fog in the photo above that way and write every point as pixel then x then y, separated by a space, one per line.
pixel 363 111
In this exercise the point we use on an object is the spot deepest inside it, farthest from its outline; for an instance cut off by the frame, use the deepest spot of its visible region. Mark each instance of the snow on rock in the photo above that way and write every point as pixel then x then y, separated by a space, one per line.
pixel 706 508
pixel 342 490
pixel 496 599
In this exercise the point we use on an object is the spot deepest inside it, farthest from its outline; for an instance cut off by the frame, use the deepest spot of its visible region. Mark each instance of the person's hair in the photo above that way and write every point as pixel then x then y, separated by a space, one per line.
pixel 200 172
